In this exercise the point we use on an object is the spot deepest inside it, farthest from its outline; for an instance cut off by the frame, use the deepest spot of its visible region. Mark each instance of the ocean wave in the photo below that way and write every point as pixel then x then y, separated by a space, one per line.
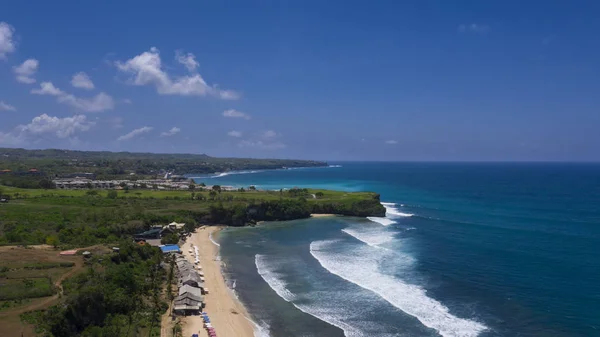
pixel 334 166
pixel 267 269
pixel 361 267
pixel 210 237
pixel 392 214
pixel 391 210
pixel 371 237
pixel 383 221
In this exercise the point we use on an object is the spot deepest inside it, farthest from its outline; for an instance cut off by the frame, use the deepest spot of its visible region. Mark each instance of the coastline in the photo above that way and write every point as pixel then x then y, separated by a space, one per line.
pixel 228 315
pixel 322 215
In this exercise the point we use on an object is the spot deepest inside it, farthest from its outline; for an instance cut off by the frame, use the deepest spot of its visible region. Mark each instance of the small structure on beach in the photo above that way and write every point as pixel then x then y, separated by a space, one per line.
pixel 170 249
pixel 191 289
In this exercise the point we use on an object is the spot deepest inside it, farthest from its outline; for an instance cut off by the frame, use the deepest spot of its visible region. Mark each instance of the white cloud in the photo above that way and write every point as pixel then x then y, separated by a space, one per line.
pixel 391 142
pixel 262 144
pixel 82 80
pixel 6 39
pixel 188 60
pixel 473 28
pixel 26 71
pixel 269 134
pixel 6 107
pixel 127 101
pixel 267 140
pixel 174 130
pixel 146 69
pixel 98 103
pixel 232 113
pixel 136 132
pixel 234 133
pixel 45 126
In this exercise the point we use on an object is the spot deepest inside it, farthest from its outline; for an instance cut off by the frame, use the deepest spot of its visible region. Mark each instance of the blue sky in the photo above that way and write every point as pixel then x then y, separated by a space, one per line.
pixel 334 80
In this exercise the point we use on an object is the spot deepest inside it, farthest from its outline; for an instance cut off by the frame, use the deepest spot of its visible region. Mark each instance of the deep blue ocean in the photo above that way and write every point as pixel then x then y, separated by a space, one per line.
pixel 468 249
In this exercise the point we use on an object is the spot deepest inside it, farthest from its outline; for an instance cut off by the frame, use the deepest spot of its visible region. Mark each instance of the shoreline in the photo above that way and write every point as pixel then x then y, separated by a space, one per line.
pixel 227 314
pixel 322 215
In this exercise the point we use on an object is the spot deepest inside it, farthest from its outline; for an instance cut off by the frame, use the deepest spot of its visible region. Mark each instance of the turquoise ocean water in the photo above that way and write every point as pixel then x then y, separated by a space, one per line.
pixel 465 250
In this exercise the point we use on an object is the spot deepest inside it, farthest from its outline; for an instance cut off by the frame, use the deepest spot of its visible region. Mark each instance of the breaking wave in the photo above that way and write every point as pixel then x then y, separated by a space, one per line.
pixel 361 267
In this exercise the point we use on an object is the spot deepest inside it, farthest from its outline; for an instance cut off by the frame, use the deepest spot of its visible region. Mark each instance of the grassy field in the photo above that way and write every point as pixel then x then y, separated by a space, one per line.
pixel 328 195
pixel 28 281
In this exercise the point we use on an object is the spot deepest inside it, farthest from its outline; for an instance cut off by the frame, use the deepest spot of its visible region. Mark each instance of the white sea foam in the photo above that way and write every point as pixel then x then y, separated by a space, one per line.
pixel 210 237
pixel 391 210
pixel 267 269
pixel 383 221
pixel 361 267
pixel 373 238
pixel 392 214
pixel 334 166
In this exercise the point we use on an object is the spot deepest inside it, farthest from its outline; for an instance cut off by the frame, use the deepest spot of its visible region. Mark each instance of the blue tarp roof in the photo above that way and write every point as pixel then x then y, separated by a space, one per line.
pixel 170 248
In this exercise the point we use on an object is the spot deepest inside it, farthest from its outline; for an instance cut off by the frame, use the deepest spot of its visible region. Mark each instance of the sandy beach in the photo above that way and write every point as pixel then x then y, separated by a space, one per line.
pixel 228 316
pixel 321 215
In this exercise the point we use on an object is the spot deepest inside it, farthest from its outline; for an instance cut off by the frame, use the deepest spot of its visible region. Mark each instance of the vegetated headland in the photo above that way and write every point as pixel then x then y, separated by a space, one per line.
pixel 65 199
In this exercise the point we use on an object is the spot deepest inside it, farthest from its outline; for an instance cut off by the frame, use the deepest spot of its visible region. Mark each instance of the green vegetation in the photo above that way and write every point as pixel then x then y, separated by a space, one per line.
pixel 120 165
pixel 13 289
pixel 118 295
pixel 74 218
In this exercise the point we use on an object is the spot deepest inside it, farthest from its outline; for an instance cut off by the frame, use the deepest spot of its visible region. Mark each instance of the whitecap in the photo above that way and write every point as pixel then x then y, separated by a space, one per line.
pixel 383 221
pixel 268 270
pixel 391 210
pixel 361 267
pixel 371 237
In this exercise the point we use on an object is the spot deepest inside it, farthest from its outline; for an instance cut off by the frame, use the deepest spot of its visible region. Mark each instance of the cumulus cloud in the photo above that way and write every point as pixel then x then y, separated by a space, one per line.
pixel 232 113
pixel 7 44
pixel 262 144
pixel 174 130
pixel 146 69
pixel 82 80
pixel 269 134
pixel 26 70
pixel 391 142
pixel 98 103
pixel 267 140
pixel 234 133
pixel 188 60
pixel 45 126
pixel 473 28
pixel 136 132
pixel 6 107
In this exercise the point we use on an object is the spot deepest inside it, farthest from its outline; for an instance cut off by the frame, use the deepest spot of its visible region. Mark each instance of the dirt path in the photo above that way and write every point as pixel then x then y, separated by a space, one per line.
pixel 47 301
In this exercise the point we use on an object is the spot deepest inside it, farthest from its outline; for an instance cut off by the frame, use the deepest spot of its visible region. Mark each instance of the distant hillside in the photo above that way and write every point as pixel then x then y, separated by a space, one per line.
pixel 111 165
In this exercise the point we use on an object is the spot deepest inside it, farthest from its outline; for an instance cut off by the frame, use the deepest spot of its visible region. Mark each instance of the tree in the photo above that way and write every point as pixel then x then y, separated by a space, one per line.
pixel 192 186
pixel 216 188
pixel 53 241
pixel 112 194
pixel 242 189
pixel 252 188
pixel 193 195
pixel 89 185
pixel 203 184
pixel 126 189
pixel 212 194
pixel 47 184
pixel 170 239
pixel 319 194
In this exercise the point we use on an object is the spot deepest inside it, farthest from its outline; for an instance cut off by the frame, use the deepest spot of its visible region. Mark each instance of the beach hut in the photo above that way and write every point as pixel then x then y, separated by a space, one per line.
pixel 170 249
